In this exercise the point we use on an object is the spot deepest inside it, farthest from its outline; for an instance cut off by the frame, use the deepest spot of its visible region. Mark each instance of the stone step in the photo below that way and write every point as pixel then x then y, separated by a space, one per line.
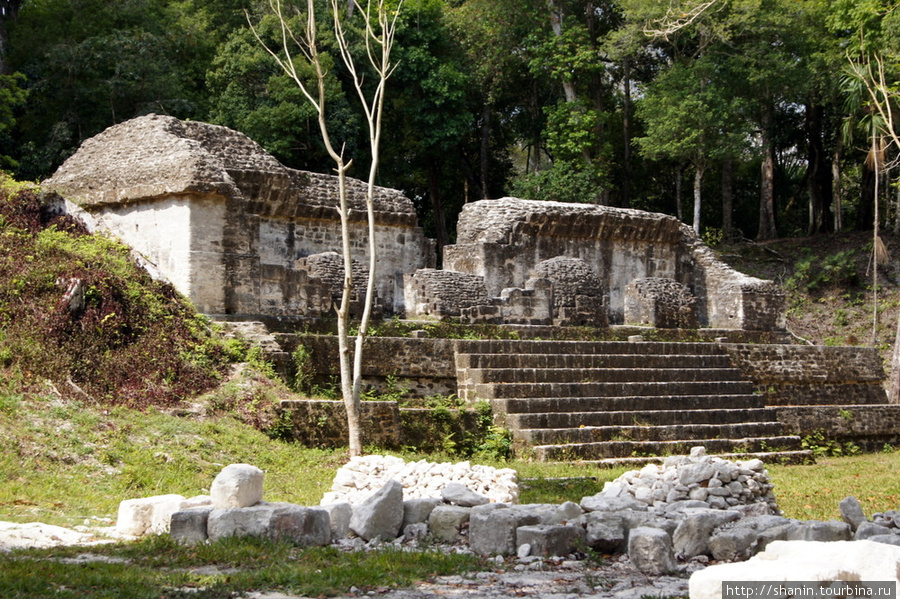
pixel 591 389
pixel 601 375
pixel 536 346
pixel 631 360
pixel 641 404
pixel 592 434
pixel 616 449
pixel 639 418
pixel 801 456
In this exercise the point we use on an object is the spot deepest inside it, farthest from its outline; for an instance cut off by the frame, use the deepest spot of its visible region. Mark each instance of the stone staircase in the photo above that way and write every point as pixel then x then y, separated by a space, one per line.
pixel 621 402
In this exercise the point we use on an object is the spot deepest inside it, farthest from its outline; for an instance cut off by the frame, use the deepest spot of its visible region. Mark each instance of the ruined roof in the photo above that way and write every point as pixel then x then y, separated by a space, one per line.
pixel 153 156
pixel 495 221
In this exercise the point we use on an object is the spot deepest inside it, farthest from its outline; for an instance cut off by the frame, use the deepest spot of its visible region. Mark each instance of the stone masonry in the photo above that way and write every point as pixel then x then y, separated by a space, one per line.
pixel 226 223
pixel 504 240
pixel 240 234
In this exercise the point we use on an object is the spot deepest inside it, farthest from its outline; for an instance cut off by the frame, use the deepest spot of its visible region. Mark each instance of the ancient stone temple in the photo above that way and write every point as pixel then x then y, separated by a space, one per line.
pixel 232 228
pixel 241 234
pixel 598 264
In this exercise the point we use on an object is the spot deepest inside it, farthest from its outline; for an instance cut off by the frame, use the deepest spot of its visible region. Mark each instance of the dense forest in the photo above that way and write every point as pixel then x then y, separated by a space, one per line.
pixel 746 118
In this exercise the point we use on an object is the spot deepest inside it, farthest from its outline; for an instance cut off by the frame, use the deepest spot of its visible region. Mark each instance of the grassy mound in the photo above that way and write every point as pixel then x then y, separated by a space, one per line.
pixel 81 320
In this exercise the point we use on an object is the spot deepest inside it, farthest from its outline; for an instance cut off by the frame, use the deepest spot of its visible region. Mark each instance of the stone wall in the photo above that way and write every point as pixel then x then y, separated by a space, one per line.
pixel 442 293
pixel 868 426
pixel 796 375
pixel 660 303
pixel 318 423
pixel 226 223
pixel 420 367
pixel 504 240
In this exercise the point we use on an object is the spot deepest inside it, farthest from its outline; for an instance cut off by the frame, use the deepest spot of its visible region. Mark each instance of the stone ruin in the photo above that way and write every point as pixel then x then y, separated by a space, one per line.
pixel 233 229
pixel 240 234
pixel 661 531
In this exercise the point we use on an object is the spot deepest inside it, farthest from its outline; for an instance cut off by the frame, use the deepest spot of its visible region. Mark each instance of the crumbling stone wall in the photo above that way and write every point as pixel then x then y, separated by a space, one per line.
pixel 661 303
pixel 504 240
pixel 225 222
pixel 797 375
pixel 443 293
pixel 579 297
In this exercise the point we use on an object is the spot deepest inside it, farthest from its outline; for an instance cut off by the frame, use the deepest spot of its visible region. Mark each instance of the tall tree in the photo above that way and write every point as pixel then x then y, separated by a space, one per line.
pixel 378 30
pixel 690 116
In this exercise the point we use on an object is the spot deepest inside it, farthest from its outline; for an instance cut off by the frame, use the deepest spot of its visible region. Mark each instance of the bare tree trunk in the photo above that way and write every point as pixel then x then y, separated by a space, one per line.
pixel 556 18
pixel 876 240
pixel 698 180
pixel 437 207
pixel 379 49
pixel 679 203
pixel 485 148
pixel 728 198
pixel 818 175
pixel 767 193
pixel 626 132
pixel 836 191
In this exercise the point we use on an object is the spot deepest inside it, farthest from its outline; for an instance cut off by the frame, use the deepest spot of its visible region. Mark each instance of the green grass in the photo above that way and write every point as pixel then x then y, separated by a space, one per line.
pixel 159 568
pixel 62 463
pixel 813 492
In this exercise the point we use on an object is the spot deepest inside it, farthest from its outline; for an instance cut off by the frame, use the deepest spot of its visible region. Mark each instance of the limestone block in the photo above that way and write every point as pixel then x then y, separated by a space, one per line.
pixel 784 561
pixel 632 519
pixel 548 540
pixel 462 496
pixel 733 544
pixel 135 516
pixel 493 532
pixel 650 550
pixel 604 503
pixel 303 526
pixel 852 513
pixel 605 531
pixel 240 522
pixel 418 509
pixel 816 530
pixel 236 486
pixel 887 539
pixel 867 530
pixel 163 510
pixel 415 532
pixel 446 522
pixel 381 515
pixel 692 535
pixel 339 515
pixel 189 526
pixel 565 512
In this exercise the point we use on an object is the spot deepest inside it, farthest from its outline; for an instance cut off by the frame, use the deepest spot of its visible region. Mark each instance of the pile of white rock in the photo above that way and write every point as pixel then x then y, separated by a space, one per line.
pixel 707 480
pixel 362 476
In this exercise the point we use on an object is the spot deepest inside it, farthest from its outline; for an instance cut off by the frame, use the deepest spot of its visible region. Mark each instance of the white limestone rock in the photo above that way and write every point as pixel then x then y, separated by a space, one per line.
pixel 462 496
pixel 785 561
pixel 381 515
pixel 136 516
pixel 339 515
pixel 237 486
pixel 650 550
pixel 304 526
pixel 363 475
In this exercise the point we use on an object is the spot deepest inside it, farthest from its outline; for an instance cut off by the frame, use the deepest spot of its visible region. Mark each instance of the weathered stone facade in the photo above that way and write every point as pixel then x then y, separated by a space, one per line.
pixel 241 234
pixel 505 240
pixel 799 375
pixel 226 223
pixel 661 303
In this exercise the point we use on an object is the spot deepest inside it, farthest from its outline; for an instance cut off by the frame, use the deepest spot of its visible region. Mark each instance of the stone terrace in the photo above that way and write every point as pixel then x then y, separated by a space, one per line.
pixel 630 401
